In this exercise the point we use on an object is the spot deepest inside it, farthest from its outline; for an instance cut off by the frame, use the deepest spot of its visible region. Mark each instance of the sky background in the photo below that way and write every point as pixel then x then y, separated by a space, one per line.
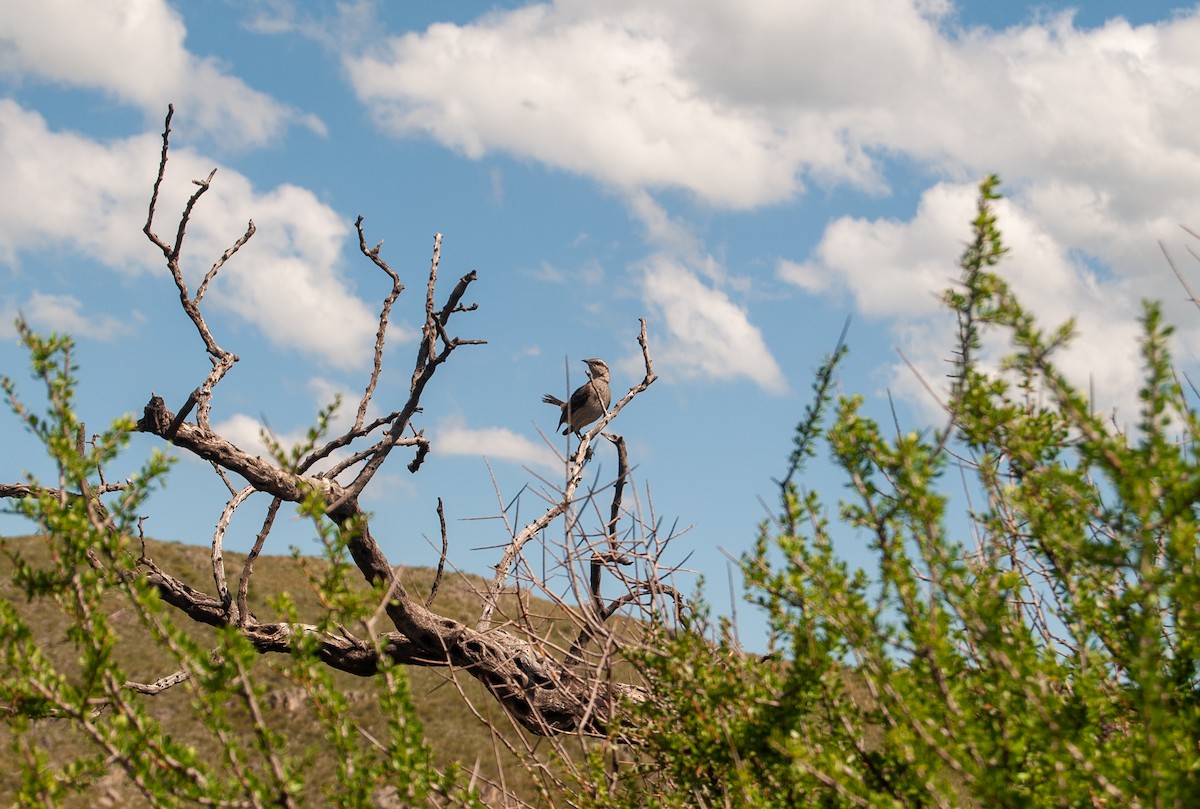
pixel 743 176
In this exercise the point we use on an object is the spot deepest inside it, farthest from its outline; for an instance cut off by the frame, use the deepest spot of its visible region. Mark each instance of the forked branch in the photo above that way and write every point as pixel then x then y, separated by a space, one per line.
pixel 563 504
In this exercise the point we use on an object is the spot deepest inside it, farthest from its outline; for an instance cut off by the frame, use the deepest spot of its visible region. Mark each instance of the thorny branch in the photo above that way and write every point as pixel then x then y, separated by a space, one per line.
pixel 563 504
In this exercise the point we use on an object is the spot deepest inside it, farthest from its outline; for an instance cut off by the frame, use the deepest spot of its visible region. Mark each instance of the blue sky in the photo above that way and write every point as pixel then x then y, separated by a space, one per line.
pixel 742 176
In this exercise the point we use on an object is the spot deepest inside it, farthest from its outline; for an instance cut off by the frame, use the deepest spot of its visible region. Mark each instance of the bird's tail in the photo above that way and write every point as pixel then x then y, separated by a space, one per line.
pixel 554 400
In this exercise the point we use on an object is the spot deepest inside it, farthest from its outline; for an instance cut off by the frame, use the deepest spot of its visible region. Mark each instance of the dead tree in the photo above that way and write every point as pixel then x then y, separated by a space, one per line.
pixel 546 691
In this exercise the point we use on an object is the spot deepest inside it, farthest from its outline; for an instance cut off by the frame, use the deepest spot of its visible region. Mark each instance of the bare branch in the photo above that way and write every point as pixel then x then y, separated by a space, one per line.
pixel 222 360
pixel 1178 273
pixel 380 336
pixel 228 254
pixel 428 360
pixel 162 170
pixel 160 685
pixel 574 478
pixel 248 567
pixel 204 443
pixel 17 491
pixel 618 488
pixel 437 579
pixel 218 558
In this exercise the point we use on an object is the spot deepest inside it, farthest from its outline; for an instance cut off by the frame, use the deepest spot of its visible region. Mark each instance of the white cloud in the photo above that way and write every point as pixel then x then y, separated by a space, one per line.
pixel 707 334
pixel 90 197
pixel 895 271
pixel 344 27
pixel 246 433
pixel 453 437
pixel 597 93
pixel 894 268
pixel 134 50
pixel 589 272
pixel 61 187
pixel 808 276
pixel 65 313
pixel 738 104
pixel 741 105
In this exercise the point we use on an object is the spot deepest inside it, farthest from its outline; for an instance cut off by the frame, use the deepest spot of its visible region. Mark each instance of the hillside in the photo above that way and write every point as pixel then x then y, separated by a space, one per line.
pixel 455 733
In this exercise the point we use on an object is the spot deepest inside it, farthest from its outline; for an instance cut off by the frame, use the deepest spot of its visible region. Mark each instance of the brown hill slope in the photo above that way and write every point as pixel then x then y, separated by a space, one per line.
pixel 454 731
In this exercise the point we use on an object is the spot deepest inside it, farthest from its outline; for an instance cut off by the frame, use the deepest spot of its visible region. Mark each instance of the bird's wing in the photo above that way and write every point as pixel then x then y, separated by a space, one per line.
pixel 579 398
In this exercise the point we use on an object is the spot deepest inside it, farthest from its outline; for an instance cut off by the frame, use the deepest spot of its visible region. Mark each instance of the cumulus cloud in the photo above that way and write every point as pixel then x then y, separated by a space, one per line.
pixel 134 50
pixel 453 437
pixel 90 196
pixel 62 186
pixel 289 282
pixel 599 94
pixel 733 103
pixel 739 104
pixel 893 268
pixel 707 334
pixel 808 275
pixel 745 105
pixel 896 269
pixel 65 313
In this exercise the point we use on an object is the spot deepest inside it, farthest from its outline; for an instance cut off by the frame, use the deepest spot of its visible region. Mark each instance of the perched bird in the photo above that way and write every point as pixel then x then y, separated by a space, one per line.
pixel 588 403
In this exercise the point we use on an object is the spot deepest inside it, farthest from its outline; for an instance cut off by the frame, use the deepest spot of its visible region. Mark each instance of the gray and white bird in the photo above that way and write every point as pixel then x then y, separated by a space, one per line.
pixel 589 402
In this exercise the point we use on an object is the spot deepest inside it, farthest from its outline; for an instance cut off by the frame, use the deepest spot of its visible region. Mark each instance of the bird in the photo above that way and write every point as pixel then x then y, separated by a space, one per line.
pixel 589 401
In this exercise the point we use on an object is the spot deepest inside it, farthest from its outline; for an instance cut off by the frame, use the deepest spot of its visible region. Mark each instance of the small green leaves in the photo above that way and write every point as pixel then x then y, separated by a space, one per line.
pixel 1040 647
